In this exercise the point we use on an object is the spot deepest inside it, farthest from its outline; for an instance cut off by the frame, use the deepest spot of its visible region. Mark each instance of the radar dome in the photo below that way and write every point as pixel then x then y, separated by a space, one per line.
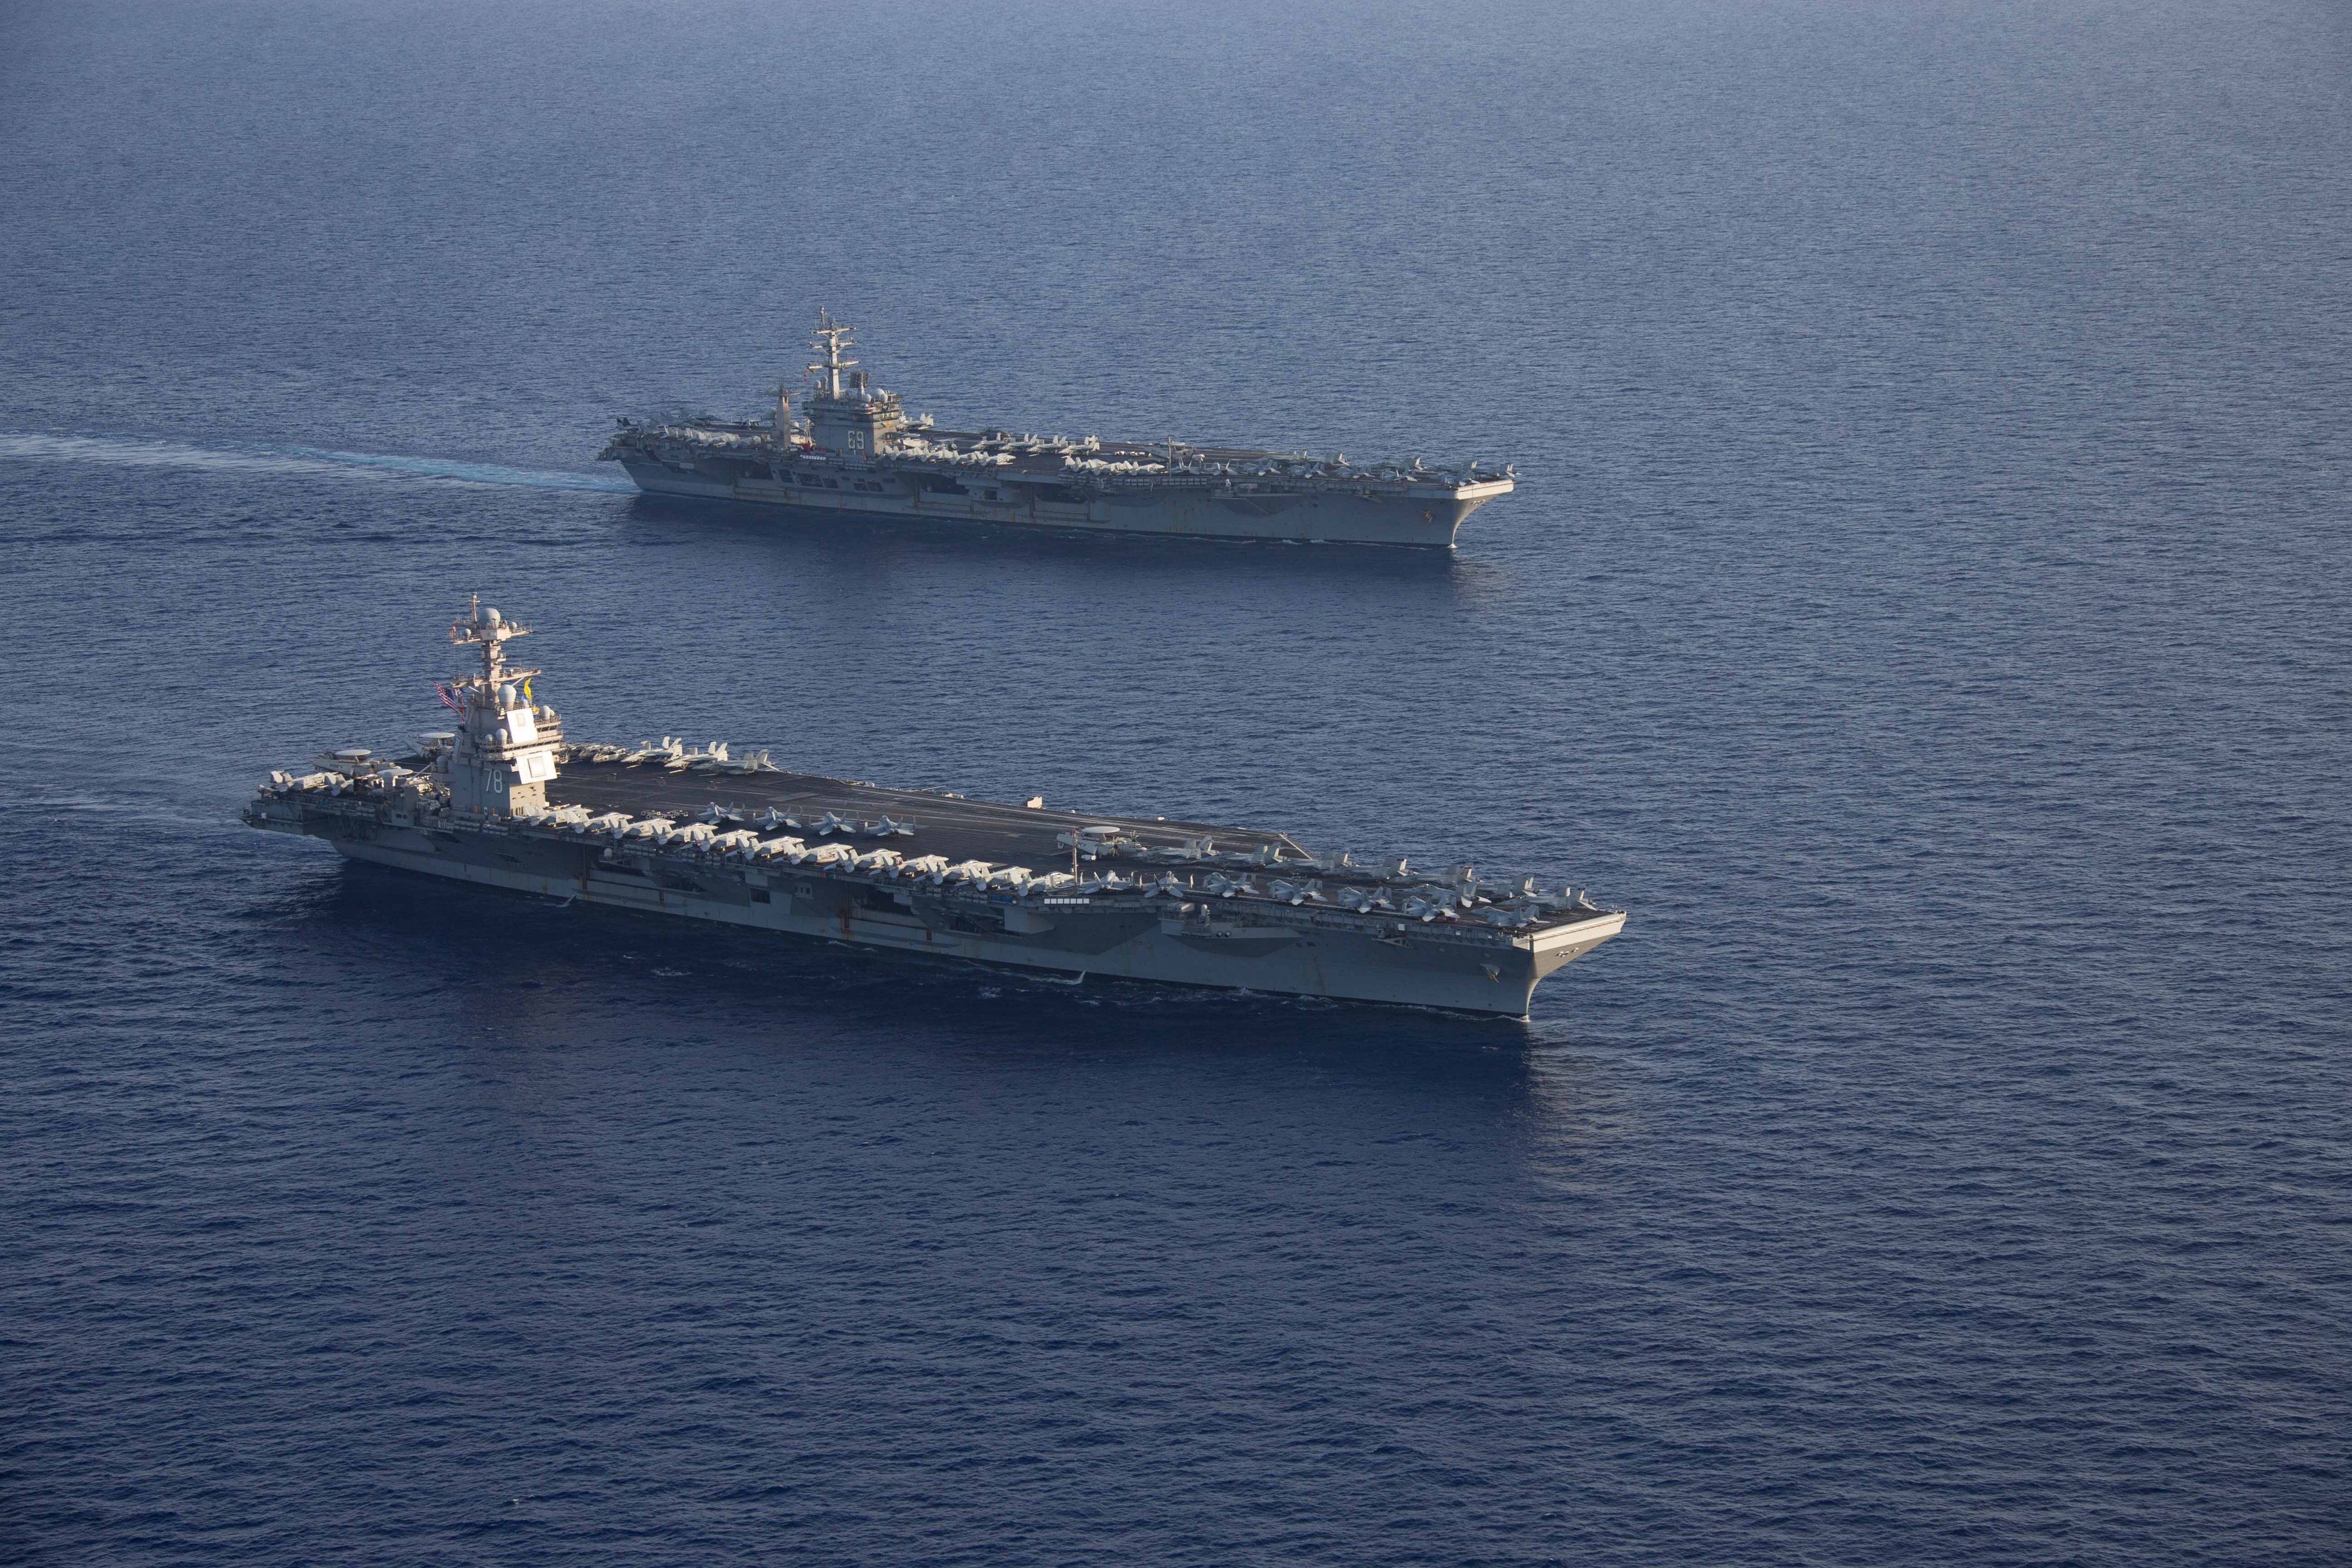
pixel 489 617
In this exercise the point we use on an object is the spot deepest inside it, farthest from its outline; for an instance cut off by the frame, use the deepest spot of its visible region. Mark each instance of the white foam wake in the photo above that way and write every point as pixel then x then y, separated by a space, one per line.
pixel 133 452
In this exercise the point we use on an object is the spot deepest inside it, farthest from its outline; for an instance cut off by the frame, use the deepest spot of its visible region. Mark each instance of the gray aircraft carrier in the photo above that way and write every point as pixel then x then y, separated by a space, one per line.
pixel 857 453
pixel 506 801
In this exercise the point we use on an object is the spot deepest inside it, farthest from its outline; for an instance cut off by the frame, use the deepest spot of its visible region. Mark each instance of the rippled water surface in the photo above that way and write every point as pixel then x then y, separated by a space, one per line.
pixel 1924 608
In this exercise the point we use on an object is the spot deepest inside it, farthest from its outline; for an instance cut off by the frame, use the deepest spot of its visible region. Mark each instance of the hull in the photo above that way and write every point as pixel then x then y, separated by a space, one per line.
pixel 1338 518
pixel 1235 953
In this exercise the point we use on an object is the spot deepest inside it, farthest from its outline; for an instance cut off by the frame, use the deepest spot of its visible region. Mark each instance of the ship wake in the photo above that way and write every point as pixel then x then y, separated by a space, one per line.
pixel 259 457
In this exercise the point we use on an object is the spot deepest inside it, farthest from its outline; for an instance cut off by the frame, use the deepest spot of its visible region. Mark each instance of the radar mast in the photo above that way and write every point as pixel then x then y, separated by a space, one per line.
pixel 830 337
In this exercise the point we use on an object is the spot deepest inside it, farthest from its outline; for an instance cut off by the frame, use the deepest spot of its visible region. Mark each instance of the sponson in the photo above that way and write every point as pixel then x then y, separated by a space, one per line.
pixel 702 833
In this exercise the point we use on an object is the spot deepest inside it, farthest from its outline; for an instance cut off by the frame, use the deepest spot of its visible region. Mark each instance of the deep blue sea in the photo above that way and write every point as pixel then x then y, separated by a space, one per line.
pixel 1925 608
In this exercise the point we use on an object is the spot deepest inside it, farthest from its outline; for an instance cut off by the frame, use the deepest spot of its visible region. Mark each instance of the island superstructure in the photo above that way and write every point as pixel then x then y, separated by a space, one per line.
pixel 857 452
pixel 506 801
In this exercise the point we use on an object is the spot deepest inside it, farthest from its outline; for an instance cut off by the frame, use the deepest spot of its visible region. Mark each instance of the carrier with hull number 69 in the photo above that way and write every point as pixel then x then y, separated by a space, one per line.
pixel 857 453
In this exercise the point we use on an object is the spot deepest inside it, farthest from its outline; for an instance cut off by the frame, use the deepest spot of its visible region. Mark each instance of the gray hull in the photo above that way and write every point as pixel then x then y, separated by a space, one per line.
pixel 1427 521
pixel 1242 952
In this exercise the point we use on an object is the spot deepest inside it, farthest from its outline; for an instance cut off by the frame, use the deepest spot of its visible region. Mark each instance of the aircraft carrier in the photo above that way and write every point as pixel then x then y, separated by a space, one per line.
pixel 857 453
pixel 506 801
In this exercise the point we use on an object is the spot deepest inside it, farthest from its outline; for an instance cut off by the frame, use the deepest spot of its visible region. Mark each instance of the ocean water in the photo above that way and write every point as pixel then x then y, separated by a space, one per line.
pixel 1924 608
